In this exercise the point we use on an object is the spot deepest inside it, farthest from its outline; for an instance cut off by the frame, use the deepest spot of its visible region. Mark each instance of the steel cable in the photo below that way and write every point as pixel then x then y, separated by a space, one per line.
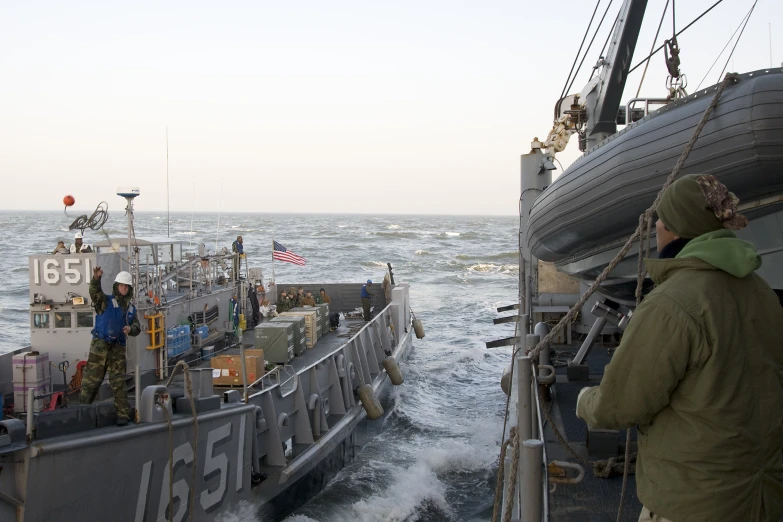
pixel 565 86
pixel 676 35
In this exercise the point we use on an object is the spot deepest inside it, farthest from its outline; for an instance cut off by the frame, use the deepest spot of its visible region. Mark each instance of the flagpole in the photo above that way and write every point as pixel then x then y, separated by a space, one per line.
pixel 273 260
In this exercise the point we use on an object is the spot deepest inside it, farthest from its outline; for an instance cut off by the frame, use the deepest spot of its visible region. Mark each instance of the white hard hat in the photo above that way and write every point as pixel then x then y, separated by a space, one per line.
pixel 124 278
pixel 78 235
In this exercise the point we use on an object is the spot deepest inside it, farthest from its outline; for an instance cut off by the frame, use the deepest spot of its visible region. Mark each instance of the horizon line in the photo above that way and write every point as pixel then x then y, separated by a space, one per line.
pixel 270 213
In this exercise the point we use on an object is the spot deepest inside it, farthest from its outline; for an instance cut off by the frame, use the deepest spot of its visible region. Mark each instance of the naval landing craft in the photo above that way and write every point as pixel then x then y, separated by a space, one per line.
pixel 262 415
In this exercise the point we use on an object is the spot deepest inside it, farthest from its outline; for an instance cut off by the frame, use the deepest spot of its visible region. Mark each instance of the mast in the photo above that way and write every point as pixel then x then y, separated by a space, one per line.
pixel 129 193
pixel 603 95
pixel 168 206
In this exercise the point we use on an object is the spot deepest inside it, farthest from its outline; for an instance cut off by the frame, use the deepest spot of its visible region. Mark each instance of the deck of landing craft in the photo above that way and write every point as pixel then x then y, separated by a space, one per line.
pixel 324 346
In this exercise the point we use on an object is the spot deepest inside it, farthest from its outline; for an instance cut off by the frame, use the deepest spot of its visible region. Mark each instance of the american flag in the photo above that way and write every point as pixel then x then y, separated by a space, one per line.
pixel 281 253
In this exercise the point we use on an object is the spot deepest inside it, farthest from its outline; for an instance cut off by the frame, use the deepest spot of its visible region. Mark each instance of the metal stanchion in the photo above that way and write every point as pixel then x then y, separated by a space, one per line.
pixel 524 325
pixel 524 402
pixel 137 386
pixel 531 341
pixel 30 412
pixel 532 490
pixel 244 366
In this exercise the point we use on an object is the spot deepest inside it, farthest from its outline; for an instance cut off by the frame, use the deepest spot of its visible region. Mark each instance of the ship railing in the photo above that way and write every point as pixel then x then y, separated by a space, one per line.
pixel 283 378
pixel 529 501
pixel 631 112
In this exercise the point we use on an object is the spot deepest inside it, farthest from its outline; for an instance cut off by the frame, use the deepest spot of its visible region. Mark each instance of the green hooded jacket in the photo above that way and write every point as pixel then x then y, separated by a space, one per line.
pixel 700 371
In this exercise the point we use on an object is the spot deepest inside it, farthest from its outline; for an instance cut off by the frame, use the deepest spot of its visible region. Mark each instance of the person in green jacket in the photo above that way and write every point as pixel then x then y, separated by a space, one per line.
pixel 699 370
pixel 283 304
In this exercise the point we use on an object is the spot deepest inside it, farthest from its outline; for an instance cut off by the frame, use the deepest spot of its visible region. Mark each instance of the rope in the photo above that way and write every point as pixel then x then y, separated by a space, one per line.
pixel 606 42
pixel 95 221
pixel 512 484
pixel 499 482
pixel 647 63
pixel 498 485
pixel 589 46
pixel 722 51
pixel 750 13
pixel 626 470
pixel 189 391
pixel 713 6
pixel 565 86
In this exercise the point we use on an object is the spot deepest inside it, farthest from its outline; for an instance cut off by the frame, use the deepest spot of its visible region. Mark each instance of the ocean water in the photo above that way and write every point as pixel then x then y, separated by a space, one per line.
pixel 435 458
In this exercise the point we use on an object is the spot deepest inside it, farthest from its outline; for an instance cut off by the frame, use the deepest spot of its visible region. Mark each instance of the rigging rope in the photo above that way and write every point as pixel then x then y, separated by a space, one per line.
pixel 644 73
pixel 739 37
pixel 722 50
pixel 590 44
pixel 565 86
pixel 606 42
pixel 676 35
pixel 516 446
pixel 501 473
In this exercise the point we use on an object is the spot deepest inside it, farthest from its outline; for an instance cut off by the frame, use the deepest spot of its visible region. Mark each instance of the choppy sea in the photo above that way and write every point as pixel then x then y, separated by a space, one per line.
pixel 435 458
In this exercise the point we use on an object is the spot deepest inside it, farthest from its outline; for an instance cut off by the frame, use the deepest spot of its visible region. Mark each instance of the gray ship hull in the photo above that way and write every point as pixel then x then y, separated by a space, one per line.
pixel 113 473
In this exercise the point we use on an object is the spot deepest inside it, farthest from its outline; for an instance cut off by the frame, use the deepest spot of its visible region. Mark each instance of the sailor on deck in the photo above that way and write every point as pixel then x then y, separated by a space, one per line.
pixel 78 247
pixel 308 299
pixel 366 297
pixel 322 297
pixel 115 318
pixel 700 369
pixel 237 247
pixel 60 248
pixel 284 303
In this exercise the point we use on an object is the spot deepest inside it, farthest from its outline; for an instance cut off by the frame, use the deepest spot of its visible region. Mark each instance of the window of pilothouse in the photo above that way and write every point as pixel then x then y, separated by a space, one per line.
pixel 62 319
pixel 41 320
pixel 84 320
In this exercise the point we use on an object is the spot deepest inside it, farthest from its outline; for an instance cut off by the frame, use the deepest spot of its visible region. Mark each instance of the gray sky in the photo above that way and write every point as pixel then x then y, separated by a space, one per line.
pixel 396 107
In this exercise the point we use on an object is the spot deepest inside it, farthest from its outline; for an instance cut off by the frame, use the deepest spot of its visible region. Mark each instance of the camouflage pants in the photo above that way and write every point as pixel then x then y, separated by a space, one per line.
pixel 106 356
pixel 366 308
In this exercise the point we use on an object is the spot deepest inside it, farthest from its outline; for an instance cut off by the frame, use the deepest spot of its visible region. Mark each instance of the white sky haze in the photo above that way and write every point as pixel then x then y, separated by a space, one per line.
pixel 398 107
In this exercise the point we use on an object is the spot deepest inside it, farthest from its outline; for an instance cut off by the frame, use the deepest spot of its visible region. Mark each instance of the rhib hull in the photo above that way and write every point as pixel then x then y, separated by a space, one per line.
pixel 580 220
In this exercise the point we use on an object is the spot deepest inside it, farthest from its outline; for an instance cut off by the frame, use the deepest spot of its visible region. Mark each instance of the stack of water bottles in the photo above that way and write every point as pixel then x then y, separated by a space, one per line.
pixel 178 340
pixel 202 331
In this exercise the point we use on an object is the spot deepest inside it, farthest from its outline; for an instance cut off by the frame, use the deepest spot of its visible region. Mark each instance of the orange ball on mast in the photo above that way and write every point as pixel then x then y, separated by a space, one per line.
pixel 68 200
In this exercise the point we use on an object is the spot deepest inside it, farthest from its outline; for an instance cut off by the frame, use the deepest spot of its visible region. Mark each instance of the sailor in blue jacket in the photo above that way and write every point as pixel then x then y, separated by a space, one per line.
pixel 115 319
pixel 366 296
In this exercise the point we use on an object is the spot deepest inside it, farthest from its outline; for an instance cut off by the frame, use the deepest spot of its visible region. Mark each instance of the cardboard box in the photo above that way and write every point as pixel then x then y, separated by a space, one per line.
pixel 227 369
pixel 256 352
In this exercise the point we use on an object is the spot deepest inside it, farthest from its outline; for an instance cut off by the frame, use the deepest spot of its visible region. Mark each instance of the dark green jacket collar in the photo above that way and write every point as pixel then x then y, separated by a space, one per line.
pixel 718 250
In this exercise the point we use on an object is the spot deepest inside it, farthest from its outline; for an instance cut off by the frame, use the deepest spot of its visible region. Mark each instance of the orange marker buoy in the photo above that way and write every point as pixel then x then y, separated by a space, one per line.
pixel 68 200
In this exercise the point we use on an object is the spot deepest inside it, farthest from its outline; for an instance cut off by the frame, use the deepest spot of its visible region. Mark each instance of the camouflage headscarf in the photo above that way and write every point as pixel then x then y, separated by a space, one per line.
pixel 696 204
